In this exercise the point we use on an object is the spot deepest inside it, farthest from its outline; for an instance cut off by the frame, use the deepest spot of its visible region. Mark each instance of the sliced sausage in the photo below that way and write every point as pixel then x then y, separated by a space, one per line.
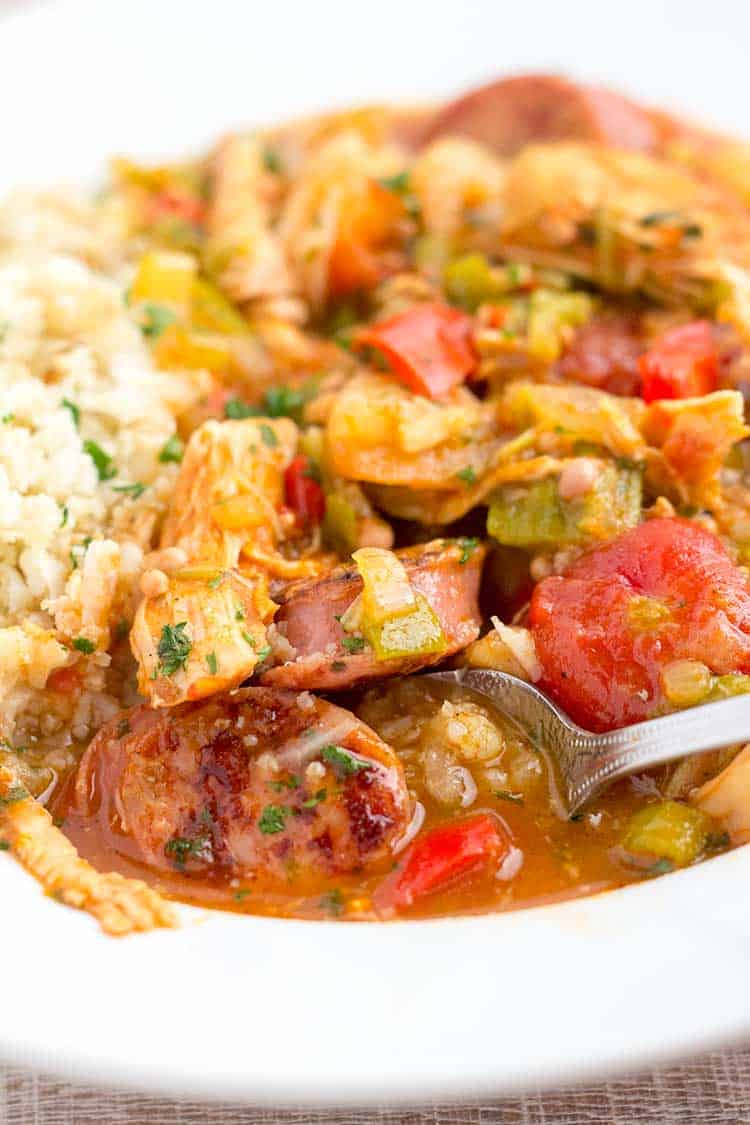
pixel 256 783
pixel 443 571
pixel 513 112
pixel 604 354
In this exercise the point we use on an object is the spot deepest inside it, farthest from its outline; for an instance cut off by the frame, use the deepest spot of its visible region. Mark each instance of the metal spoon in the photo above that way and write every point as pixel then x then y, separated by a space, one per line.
pixel 585 763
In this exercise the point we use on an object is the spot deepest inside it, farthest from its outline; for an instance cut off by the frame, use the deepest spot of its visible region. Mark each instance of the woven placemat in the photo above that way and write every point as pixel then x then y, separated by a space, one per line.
pixel 712 1090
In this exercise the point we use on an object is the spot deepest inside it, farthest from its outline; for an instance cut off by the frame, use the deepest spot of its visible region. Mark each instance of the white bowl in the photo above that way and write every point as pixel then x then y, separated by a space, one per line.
pixel 290 1012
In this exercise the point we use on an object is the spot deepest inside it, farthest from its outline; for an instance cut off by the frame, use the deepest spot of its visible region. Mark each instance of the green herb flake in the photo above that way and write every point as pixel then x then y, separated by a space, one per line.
pixel 398 183
pixel 82 644
pixel 239 614
pixel 468 547
pixel 64 515
pixel 264 653
pixel 272 819
pixel 236 409
pixel 13 795
pixel 344 763
pixel 173 450
pixel 182 848
pixel 353 644
pixel 332 902
pixel 272 161
pixel 292 782
pixel 269 435
pixel 661 867
pixel 316 799
pixel 134 490
pixel 75 412
pixel 123 728
pixel 102 461
pixel 212 663
pixel 8 418
pixel 468 476
pixel 241 894
pixel 248 638
pixel 214 583
pixel 4 846
pixel 506 795
pixel 338 666
pixel 155 320
pixel 174 648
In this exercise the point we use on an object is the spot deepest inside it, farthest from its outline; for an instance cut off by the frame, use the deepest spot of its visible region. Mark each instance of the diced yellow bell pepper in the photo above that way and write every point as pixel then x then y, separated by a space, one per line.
pixel 213 312
pixel 668 830
pixel 166 278
pixel 181 347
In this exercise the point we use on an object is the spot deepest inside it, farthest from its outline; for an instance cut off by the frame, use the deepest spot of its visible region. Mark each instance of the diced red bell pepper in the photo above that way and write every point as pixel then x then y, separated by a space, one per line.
pixel 443 855
pixel 428 347
pixel 684 363
pixel 303 493
pixel 173 204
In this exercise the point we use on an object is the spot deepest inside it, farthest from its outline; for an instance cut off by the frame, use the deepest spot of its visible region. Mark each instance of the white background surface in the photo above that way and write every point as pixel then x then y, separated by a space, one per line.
pixel 283 1011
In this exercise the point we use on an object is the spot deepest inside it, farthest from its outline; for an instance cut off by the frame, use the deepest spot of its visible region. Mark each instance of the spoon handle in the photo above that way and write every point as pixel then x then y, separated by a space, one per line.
pixel 586 762
pixel 589 766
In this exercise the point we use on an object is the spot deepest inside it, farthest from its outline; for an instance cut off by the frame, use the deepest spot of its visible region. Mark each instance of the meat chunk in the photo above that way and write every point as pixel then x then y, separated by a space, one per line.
pixel 604 354
pixel 260 783
pixel 443 572
pixel 513 112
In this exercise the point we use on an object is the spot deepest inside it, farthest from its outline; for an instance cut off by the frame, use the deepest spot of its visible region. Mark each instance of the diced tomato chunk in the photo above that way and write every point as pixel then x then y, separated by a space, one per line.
pixel 173 204
pixel 684 363
pixel 443 855
pixel 65 680
pixel 667 590
pixel 428 347
pixel 368 225
pixel 304 494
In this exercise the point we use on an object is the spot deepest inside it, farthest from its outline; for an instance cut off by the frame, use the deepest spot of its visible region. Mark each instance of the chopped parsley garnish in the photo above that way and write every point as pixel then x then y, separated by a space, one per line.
pixel 717 840
pixel 174 648
pixel 342 761
pixel 135 490
pixel 311 802
pixel 468 547
pixel 82 644
pixel 398 183
pixel 277 402
pixel 661 867
pixel 172 450
pixel 506 795
pixel 272 819
pixel 467 475
pixel 214 583
pixel 75 413
pixel 271 160
pixel 64 515
pixel 269 435
pixel 123 728
pixel 241 894
pixel 102 461
pixel 263 653
pixel 8 418
pixel 674 219
pixel 236 409
pixel 14 794
pixel 247 636
pixel 182 848
pixel 333 902
pixel 338 666
pixel 353 644
pixel 212 663
pixel 292 782
pixel 4 846
pixel 156 320
pixel 239 613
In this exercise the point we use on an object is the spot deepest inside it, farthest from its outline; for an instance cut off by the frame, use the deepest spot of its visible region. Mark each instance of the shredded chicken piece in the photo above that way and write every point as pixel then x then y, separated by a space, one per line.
pixel 120 905
pixel 247 253
pixel 205 630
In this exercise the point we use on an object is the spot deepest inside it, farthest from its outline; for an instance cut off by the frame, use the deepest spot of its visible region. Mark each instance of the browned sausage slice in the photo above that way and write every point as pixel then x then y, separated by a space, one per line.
pixel 443 571
pixel 513 112
pixel 256 783
pixel 604 354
